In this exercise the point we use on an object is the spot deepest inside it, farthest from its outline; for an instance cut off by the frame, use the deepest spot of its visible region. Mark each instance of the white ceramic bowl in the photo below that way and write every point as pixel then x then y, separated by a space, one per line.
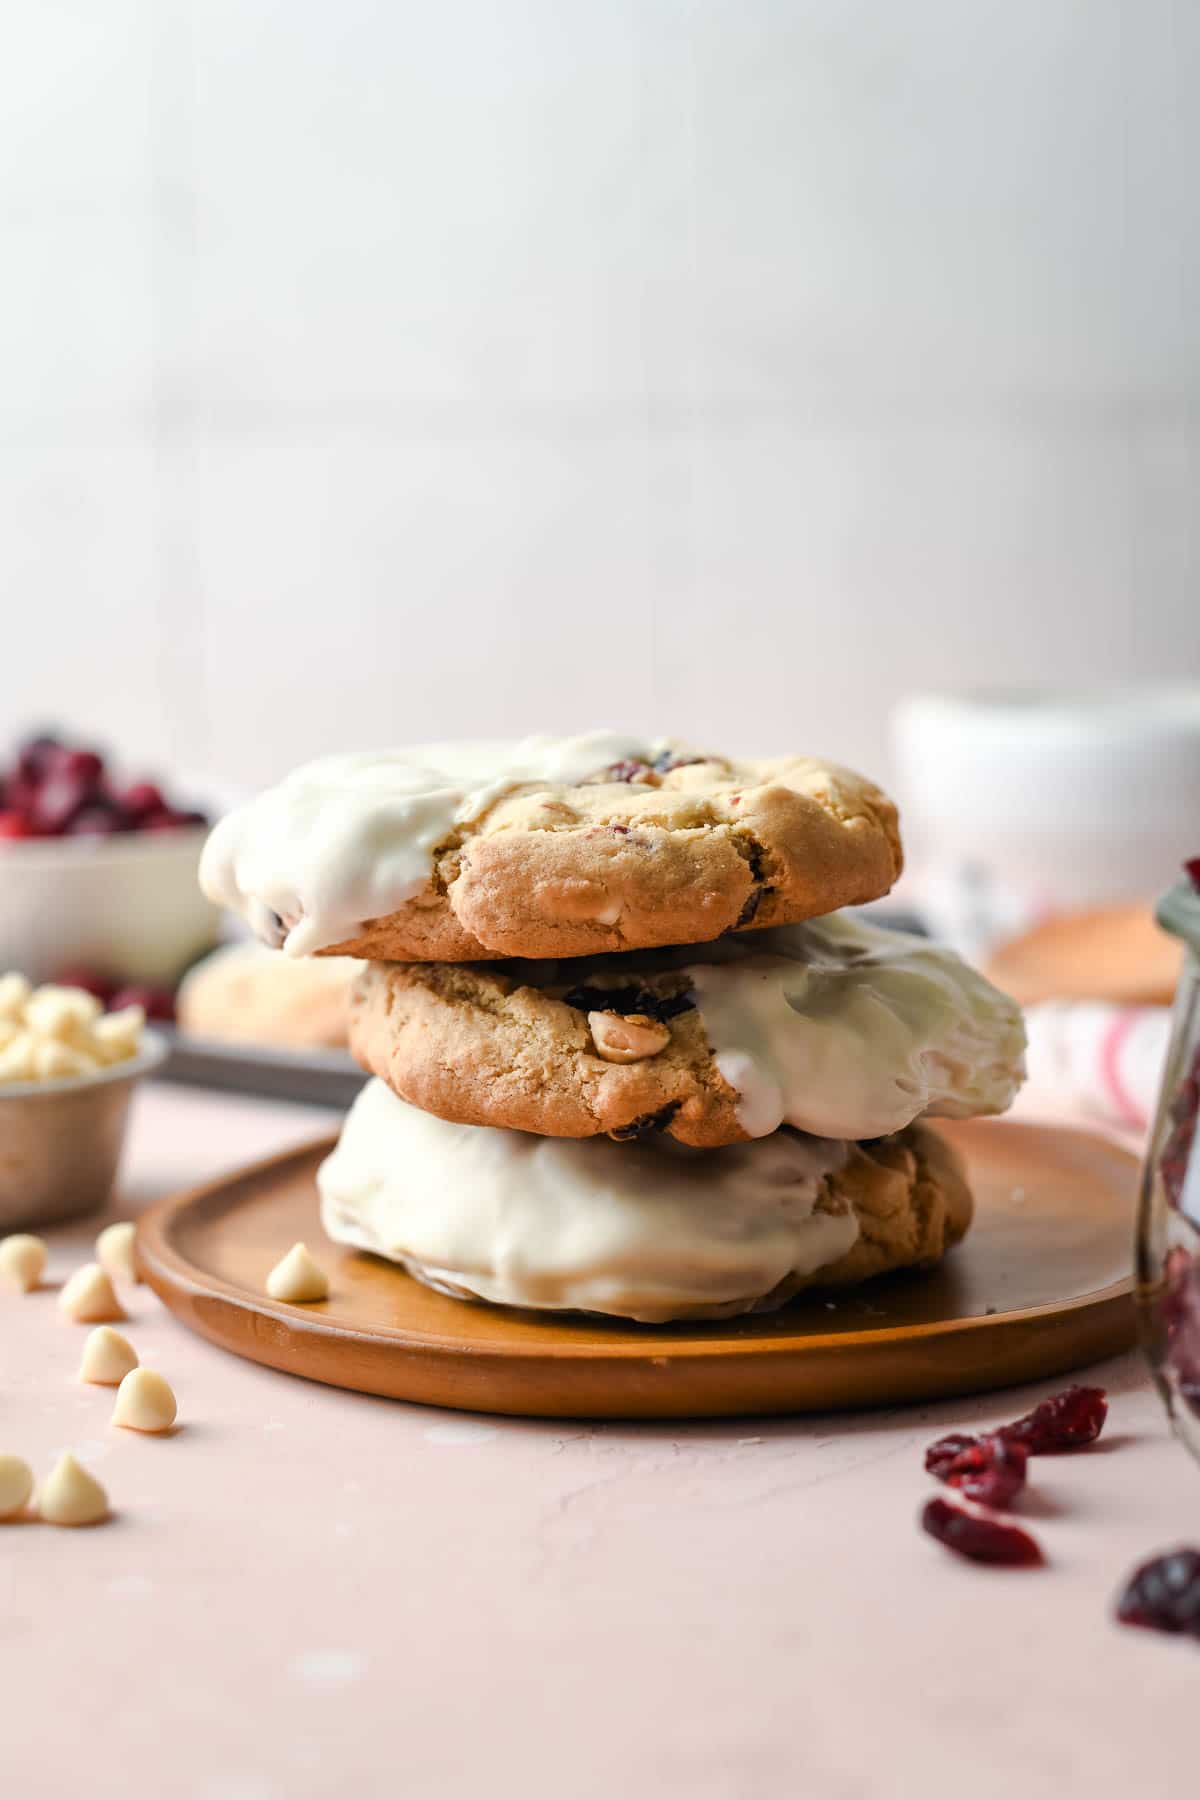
pixel 125 906
pixel 62 1139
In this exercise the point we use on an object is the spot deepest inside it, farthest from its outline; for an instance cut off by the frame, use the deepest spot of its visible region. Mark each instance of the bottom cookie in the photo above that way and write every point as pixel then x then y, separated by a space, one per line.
pixel 650 1231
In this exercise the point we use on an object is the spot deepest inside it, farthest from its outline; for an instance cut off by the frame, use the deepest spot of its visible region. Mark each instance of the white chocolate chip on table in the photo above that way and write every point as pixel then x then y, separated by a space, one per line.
pixel 89 1298
pixel 70 1495
pixel 107 1357
pixel 56 1033
pixel 22 1261
pixel 16 1485
pixel 298 1278
pixel 114 1251
pixel 145 1402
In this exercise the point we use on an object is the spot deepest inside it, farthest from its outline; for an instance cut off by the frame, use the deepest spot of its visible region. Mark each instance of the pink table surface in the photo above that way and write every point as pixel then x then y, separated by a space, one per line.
pixel 309 1593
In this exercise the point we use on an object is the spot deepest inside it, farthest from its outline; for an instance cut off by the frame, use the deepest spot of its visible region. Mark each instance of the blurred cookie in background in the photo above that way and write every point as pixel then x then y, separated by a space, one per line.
pixel 245 993
pixel 1114 953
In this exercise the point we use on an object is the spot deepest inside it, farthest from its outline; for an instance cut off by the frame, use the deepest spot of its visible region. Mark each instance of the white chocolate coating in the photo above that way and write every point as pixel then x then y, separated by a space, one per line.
pixel 351 838
pixel 844 1030
pixel 645 1231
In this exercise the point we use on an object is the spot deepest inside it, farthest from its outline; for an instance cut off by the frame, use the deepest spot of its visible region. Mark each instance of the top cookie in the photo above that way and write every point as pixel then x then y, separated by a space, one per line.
pixel 547 847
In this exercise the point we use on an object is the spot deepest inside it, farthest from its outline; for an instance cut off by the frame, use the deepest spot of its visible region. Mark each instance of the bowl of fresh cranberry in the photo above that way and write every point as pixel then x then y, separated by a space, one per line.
pixel 97 871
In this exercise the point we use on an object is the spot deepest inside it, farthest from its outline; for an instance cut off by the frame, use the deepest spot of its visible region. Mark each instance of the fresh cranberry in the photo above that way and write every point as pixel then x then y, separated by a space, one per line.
pixel 989 1470
pixel 72 780
pixel 14 825
pixel 96 820
pixel 35 755
pixel 78 975
pixel 1066 1421
pixel 142 799
pixel 982 1540
pixel 158 1003
pixel 1164 1595
pixel 1191 869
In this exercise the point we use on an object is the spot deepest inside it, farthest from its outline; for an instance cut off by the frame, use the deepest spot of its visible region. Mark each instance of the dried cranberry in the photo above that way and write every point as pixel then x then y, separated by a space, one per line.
pixel 1191 869
pixel 628 1000
pixel 1066 1421
pixel 158 1003
pixel 14 825
pixel 1164 1595
pixel 628 771
pixel 982 1540
pixel 989 1470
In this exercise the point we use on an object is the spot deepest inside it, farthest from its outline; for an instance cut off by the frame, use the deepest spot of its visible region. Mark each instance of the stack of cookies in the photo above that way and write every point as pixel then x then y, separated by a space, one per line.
pixel 629 1054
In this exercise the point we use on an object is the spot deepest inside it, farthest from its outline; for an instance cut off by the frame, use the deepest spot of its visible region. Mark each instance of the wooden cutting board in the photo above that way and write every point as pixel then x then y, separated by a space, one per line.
pixel 1042 1285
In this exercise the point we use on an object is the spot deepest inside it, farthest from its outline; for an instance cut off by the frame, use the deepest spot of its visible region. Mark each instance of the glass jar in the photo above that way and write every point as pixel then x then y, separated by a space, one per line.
pixel 1168 1252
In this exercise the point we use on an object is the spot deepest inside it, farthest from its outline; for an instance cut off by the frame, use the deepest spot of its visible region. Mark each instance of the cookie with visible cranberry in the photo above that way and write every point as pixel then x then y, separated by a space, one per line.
pixel 834 1026
pixel 550 847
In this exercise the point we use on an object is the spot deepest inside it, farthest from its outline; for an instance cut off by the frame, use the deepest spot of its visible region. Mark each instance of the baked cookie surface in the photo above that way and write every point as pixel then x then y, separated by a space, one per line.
pixel 834 1027
pixel 650 1231
pixel 547 847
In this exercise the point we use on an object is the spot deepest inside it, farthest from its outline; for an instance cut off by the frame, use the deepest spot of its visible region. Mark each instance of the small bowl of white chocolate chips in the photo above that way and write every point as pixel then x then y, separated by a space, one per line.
pixel 67 1072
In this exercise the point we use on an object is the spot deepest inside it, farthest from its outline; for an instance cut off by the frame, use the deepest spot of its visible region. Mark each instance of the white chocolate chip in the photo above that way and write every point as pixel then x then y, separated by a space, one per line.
pixel 298 1278
pixel 117 1035
pixel 88 1296
pixel 627 1037
pixel 114 1251
pixel 70 1496
pixel 107 1357
pixel 55 1061
pixel 14 992
pixel 22 1261
pixel 16 1058
pixel 63 1013
pixel 144 1402
pixel 16 1485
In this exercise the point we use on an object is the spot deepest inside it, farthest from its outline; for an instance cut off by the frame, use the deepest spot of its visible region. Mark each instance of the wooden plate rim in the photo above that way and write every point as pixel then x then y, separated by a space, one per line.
pixel 163 1266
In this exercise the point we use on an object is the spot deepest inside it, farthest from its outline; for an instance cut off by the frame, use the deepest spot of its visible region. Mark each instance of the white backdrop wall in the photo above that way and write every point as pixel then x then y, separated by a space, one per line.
pixel 372 371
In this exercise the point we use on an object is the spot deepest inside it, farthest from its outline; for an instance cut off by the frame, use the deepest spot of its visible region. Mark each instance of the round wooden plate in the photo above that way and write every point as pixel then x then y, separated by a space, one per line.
pixel 1042 1284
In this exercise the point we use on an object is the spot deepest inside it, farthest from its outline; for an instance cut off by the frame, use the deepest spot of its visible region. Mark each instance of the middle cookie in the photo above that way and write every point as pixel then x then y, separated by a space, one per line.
pixel 834 1027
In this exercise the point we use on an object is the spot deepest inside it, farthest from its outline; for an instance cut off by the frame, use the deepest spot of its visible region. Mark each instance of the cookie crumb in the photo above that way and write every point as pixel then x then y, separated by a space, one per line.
pixel 298 1278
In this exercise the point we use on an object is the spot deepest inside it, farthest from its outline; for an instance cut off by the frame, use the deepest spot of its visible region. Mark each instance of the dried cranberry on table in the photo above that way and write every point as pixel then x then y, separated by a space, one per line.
pixel 988 1470
pixel 978 1539
pixel 1164 1594
pixel 1067 1421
